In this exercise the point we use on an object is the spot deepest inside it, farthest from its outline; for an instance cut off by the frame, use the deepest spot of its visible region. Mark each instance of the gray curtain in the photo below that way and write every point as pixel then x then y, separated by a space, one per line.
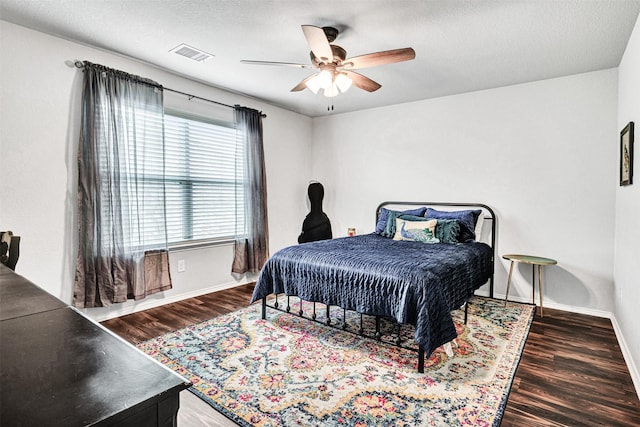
pixel 252 234
pixel 122 236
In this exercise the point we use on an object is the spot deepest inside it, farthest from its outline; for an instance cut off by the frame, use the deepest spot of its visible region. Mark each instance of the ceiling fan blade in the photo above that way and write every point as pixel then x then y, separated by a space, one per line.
pixel 285 64
pixel 318 42
pixel 379 58
pixel 303 84
pixel 363 82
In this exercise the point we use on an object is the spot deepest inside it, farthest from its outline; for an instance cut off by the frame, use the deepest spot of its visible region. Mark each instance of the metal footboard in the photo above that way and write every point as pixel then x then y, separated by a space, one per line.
pixel 397 342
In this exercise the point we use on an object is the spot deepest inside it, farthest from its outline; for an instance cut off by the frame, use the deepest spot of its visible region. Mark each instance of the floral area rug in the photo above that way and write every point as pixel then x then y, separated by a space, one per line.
pixel 287 371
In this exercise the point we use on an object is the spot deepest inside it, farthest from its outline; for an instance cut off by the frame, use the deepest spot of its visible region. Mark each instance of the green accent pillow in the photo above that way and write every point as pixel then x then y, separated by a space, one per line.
pixel 447 230
pixel 390 228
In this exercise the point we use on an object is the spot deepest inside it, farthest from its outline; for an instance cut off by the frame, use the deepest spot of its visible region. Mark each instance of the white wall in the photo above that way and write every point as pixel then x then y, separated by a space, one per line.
pixel 39 128
pixel 627 231
pixel 541 154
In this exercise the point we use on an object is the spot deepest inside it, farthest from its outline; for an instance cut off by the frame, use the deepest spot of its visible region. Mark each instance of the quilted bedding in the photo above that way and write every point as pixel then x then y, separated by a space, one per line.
pixel 410 282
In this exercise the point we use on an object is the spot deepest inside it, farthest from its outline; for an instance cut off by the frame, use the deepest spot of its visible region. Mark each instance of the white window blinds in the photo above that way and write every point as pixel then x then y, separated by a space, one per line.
pixel 204 176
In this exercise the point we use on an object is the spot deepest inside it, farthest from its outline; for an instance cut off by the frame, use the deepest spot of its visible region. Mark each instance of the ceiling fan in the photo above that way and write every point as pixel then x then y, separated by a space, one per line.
pixel 334 70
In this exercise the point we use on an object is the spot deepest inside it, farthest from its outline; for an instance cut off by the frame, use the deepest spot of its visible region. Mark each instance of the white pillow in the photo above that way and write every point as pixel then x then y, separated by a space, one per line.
pixel 479 223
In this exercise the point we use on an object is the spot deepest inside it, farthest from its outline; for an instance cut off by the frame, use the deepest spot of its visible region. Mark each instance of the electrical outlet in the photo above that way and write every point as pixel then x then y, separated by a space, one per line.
pixel 182 266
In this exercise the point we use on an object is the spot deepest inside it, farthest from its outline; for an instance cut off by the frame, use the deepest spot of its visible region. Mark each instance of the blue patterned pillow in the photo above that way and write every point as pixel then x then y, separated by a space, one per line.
pixel 466 218
pixel 384 228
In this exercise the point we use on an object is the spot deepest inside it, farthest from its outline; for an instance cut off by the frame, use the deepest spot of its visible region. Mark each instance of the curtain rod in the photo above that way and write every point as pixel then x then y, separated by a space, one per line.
pixel 190 96
pixel 80 64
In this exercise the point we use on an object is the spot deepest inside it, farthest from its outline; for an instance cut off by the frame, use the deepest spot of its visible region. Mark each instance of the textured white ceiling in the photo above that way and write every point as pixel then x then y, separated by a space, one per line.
pixel 461 46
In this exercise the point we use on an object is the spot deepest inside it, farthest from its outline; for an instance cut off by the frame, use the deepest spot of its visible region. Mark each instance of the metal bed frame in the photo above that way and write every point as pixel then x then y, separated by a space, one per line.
pixel 378 335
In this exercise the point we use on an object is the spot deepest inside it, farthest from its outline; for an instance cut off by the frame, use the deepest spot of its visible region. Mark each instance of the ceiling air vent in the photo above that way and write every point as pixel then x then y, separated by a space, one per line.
pixel 191 53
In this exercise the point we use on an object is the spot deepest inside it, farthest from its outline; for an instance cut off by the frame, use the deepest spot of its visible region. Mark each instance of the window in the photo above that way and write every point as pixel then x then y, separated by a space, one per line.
pixel 204 176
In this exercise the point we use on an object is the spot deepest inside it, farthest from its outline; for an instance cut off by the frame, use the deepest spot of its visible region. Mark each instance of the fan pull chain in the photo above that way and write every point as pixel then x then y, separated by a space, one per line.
pixel 330 106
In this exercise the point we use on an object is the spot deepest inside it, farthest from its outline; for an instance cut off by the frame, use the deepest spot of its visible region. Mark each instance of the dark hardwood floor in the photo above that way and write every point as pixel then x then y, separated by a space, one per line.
pixel 572 372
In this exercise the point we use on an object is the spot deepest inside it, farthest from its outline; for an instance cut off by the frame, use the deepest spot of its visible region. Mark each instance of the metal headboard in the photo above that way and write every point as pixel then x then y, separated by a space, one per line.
pixel 491 218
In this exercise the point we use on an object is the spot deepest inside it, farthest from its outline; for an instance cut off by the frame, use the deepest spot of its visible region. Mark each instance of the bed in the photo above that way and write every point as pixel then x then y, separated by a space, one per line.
pixel 404 271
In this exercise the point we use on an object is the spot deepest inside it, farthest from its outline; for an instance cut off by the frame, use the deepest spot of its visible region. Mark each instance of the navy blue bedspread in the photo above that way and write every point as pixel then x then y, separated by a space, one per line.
pixel 411 282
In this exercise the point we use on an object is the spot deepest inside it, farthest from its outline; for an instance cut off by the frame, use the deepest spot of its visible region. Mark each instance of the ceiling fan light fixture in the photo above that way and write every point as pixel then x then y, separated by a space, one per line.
pixel 312 84
pixel 325 79
pixel 331 91
pixel 343 82
pixel 334 70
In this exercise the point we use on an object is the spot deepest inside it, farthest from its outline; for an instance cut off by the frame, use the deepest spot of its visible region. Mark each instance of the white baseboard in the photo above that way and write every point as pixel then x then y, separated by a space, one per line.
pixel 626 353
pixel 556 306
pixel 153 303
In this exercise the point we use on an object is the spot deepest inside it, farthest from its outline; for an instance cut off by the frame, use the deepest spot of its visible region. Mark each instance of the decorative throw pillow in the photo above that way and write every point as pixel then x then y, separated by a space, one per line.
pixel 386 229
pixel 416 231
pixel 448 230
pixel 467 220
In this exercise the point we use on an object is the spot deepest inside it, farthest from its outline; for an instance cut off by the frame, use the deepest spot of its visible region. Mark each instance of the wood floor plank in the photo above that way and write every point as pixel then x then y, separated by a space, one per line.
pixel 572 372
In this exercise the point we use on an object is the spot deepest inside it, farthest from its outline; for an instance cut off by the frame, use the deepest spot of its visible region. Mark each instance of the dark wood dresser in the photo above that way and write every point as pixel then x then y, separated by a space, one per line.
pixel 57 367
